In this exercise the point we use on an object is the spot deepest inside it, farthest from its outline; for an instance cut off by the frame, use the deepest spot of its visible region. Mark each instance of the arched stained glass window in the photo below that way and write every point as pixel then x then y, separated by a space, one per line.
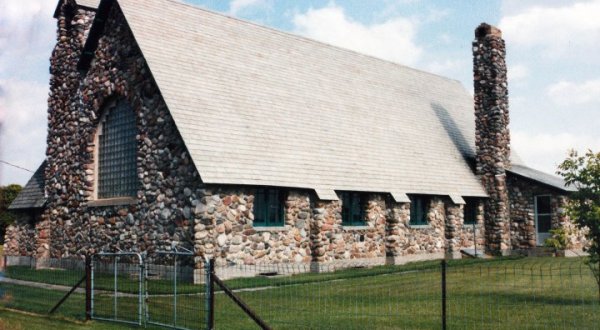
pixel 117 169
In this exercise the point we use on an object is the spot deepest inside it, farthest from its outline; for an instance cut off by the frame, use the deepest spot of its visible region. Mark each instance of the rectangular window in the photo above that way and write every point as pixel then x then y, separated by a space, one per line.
pixel 419 207
pixel 269 207
pixel 471 210
pixel 353 208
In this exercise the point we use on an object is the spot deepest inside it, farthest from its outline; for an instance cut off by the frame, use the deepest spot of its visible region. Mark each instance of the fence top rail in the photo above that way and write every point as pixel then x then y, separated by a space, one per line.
pixel 177 253
pixel 118 254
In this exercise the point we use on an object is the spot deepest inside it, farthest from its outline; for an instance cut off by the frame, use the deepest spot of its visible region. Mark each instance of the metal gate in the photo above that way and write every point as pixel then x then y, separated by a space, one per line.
pixel 171 298
pixel 130 287
pixel 117 287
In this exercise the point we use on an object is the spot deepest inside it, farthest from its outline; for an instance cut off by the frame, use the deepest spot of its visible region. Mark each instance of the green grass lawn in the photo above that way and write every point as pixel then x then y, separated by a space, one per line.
pixel 15 320
pixel 543 293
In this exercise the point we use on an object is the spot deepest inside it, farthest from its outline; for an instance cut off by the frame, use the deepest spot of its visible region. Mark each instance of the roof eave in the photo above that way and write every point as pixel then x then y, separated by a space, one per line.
pixel 564 189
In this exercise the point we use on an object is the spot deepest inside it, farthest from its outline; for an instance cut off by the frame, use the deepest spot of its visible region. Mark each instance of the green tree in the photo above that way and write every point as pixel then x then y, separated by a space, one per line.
pixel 7 195
pixel 583 173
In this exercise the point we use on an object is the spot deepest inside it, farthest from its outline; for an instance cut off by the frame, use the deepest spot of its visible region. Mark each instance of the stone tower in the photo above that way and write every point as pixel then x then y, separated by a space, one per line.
pixel 492 137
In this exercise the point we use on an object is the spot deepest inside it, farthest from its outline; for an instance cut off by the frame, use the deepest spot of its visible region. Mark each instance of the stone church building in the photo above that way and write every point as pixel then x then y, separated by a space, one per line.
pixel 170 125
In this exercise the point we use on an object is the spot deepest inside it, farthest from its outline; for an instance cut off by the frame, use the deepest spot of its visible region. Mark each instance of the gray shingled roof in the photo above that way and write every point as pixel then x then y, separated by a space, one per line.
pixel 32 196
pixel 257 106
pixel 88 3
pixel 547 179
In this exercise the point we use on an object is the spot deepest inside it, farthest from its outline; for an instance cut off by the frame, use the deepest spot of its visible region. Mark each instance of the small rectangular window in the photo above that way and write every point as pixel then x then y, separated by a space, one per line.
pixel 471 211
pixel 419 207
pixel 353 208
pixel 269 207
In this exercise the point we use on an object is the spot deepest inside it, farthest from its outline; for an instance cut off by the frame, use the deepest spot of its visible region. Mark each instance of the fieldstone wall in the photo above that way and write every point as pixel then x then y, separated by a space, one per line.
pixel 366 241
pixel 225 228
pixel 327 223
pixel 161 214
pixel 467 235
pixel 413 240
pixel 454 224
pixel 522 196
pixel 492 136
pixel 332 241
pixel 21 236
pixel 64 174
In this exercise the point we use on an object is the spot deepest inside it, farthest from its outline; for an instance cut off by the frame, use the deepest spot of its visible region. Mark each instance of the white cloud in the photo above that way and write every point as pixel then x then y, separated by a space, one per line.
pixel 545 151
pixel 558 29
pixel 237 6
pixel 392 40
pixel 517 73
pixel 575 93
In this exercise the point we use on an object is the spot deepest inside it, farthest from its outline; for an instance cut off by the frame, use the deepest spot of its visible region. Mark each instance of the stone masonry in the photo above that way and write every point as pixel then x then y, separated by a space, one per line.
pixel 523 232
pixel 492 137
pixel 160 215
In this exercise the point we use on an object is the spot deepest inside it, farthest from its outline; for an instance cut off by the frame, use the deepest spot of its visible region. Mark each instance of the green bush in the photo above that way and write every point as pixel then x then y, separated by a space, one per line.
pixel 559 239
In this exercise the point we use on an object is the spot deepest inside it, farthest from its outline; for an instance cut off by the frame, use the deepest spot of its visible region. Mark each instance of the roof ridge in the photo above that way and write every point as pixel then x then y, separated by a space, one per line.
pixel 307 39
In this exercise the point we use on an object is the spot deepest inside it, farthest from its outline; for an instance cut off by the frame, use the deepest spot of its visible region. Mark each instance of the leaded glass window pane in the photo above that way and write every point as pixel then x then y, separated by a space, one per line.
pixel 117 168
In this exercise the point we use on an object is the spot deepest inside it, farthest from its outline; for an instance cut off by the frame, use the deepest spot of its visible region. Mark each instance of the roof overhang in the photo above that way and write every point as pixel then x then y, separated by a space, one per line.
pixel 540 177
pixel 326 194
pixel 400 197
pixel 457 199
pixel 85 4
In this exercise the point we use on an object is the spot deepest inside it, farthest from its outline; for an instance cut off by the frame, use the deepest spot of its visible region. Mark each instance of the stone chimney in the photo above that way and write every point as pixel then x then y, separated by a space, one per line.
pixel 492 137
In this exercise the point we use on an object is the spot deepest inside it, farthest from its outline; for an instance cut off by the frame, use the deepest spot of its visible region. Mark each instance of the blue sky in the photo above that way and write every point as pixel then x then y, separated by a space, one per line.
pixel 552 54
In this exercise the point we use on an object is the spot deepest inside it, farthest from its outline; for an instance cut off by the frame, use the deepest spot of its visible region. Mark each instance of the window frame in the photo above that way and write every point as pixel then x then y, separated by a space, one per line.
pixel 280 198
pixel 349 209
pixel 122 199
pixel 425 205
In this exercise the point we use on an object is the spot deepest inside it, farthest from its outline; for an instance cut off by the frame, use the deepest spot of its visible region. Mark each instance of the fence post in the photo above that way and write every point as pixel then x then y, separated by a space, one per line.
pixel 210 293
pixel 444 294
pixel 88 287
pixel 141 290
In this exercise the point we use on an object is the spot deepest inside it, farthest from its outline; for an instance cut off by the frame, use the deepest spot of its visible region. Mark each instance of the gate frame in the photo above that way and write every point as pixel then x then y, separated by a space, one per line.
pixel 175 253
pixel 116 256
